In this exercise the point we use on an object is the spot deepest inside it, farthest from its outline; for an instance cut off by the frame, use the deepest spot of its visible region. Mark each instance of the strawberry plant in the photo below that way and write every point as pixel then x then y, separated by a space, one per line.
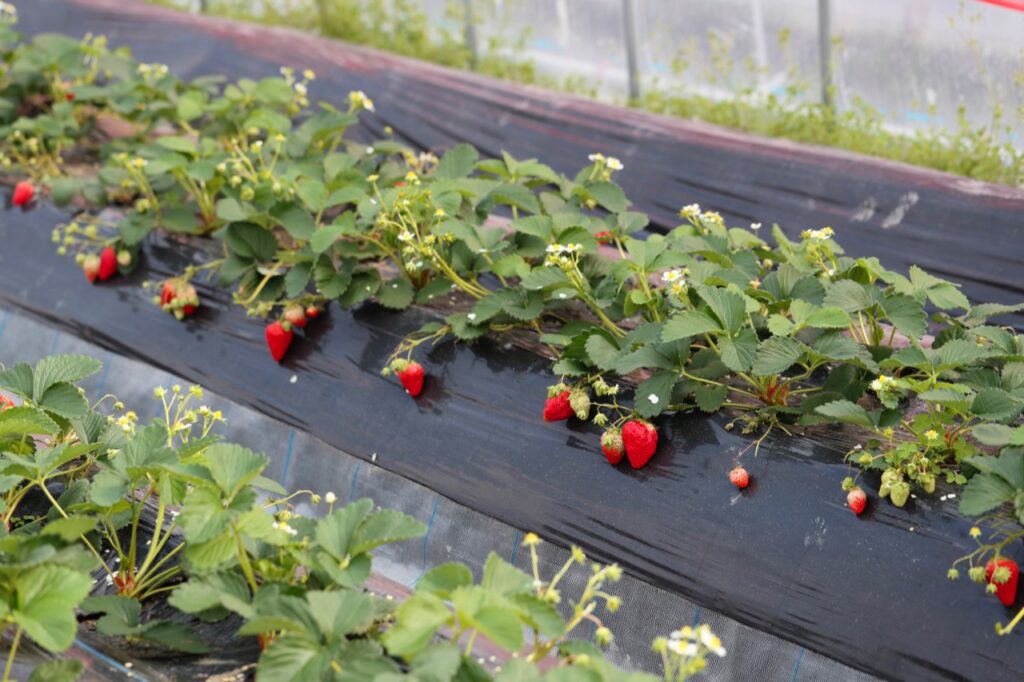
pixel 225 541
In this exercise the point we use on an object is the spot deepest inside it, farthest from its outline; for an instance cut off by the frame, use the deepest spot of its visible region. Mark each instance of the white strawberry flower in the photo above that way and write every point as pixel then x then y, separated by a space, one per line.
pixel 711 641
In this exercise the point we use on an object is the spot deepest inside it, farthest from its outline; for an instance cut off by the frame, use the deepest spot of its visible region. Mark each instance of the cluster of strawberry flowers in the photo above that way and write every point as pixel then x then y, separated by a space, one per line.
pixel 564 256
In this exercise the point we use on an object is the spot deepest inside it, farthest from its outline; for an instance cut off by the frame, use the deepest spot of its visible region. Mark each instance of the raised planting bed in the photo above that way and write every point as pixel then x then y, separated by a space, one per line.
pixel 785 556
pixel 965 230
pixel 731 393
pixel 157 549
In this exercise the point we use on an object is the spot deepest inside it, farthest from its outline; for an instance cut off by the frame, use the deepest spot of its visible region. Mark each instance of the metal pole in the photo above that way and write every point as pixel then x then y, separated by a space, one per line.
pixel 825 49
pixel 760 45
pixel 321 6
pixel 471 44
pixel 632 59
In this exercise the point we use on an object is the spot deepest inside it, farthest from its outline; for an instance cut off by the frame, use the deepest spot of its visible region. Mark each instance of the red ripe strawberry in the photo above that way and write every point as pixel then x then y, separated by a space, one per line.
pixel 23 193
pixel 279 337
pixel 739 477
pixel 857 500
pixel 91 267
pixel 1006 591
pixel 611 446
pixel 411 376
pixel 312 312
pixel 168 292
pixel 558 408
pixel 5 403
pixel 108 263
pixel 641 440
pixel 295 314
pixel 605 237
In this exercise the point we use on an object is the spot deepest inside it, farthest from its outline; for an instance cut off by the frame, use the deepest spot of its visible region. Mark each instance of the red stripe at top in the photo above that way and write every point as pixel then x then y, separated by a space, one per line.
pixel 1011 4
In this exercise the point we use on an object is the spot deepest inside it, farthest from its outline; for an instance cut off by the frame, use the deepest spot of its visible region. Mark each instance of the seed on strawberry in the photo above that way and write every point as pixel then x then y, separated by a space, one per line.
pixel 558 408
pixel 108 264
pixel 410 373
pixel 91 267
pixel 739 477
pixel 640 439
pixel 23 193
pixel 1006 590
pixel 857 500
pixel 312 312
pixel 295 314
pixel 611 445
pixel 279 337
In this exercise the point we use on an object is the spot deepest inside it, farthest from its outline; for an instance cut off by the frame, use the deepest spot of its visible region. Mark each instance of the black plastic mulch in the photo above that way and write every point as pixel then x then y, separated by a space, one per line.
pixel 786 556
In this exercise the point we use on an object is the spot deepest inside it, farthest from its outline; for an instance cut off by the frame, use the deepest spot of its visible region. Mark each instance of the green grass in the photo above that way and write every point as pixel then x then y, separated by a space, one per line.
pixel 402 27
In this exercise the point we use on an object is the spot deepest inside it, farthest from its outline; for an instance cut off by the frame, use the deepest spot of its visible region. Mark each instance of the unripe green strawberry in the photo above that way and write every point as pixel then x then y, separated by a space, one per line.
pixel 927 482
pixel 889 476
pixel 580 403
pixel 899 492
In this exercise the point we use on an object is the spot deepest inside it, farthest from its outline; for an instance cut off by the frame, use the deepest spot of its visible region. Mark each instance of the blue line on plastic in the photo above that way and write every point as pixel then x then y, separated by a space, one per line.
pixel 3 322
pixel 515 546
pixel 108 660
pixel 426 539
pixel 56 340
pixel 799 660
pixel 288 458
pixel 696 618
pixel 355 479
pixel 107 362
